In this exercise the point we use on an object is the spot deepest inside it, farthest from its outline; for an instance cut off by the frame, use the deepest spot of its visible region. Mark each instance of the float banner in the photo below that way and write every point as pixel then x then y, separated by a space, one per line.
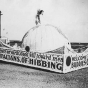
pixel 79 61
pixel 47 61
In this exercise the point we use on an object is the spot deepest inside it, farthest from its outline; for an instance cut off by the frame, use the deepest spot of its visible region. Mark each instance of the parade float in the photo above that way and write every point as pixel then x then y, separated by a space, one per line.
pixel 47 48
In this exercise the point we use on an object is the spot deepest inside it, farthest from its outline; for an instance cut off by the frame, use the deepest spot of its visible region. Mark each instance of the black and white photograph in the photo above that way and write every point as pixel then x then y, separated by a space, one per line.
pixel 43 43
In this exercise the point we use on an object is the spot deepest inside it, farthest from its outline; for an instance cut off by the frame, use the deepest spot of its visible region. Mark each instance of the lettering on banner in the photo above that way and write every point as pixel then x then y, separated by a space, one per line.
pixel 43 56
pixel 14 52
pixel 43 60
pixel 46 60
pixel 14 58
pixel 45 63
pixel 58 58
pixel 79 61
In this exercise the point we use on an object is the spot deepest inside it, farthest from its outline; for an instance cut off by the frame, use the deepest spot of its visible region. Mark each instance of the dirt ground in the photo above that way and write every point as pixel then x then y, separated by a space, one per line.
pixel 14 76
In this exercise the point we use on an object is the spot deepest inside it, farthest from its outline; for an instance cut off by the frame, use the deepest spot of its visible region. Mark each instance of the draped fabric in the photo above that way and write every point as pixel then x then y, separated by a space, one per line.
pixel 58 51
pixel 44 38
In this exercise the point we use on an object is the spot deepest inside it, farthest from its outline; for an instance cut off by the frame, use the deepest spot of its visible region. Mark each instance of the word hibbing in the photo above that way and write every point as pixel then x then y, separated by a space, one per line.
pixel 42 60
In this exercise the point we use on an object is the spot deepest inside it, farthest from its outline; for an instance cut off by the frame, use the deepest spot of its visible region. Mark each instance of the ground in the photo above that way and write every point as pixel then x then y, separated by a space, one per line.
pixel 14 76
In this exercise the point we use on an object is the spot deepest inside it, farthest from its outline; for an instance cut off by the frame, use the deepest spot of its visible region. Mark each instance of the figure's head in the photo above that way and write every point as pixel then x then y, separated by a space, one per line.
pixel 40 11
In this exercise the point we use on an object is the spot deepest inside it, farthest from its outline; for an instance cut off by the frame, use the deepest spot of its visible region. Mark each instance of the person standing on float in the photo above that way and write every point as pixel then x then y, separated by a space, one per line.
pixel 39 12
